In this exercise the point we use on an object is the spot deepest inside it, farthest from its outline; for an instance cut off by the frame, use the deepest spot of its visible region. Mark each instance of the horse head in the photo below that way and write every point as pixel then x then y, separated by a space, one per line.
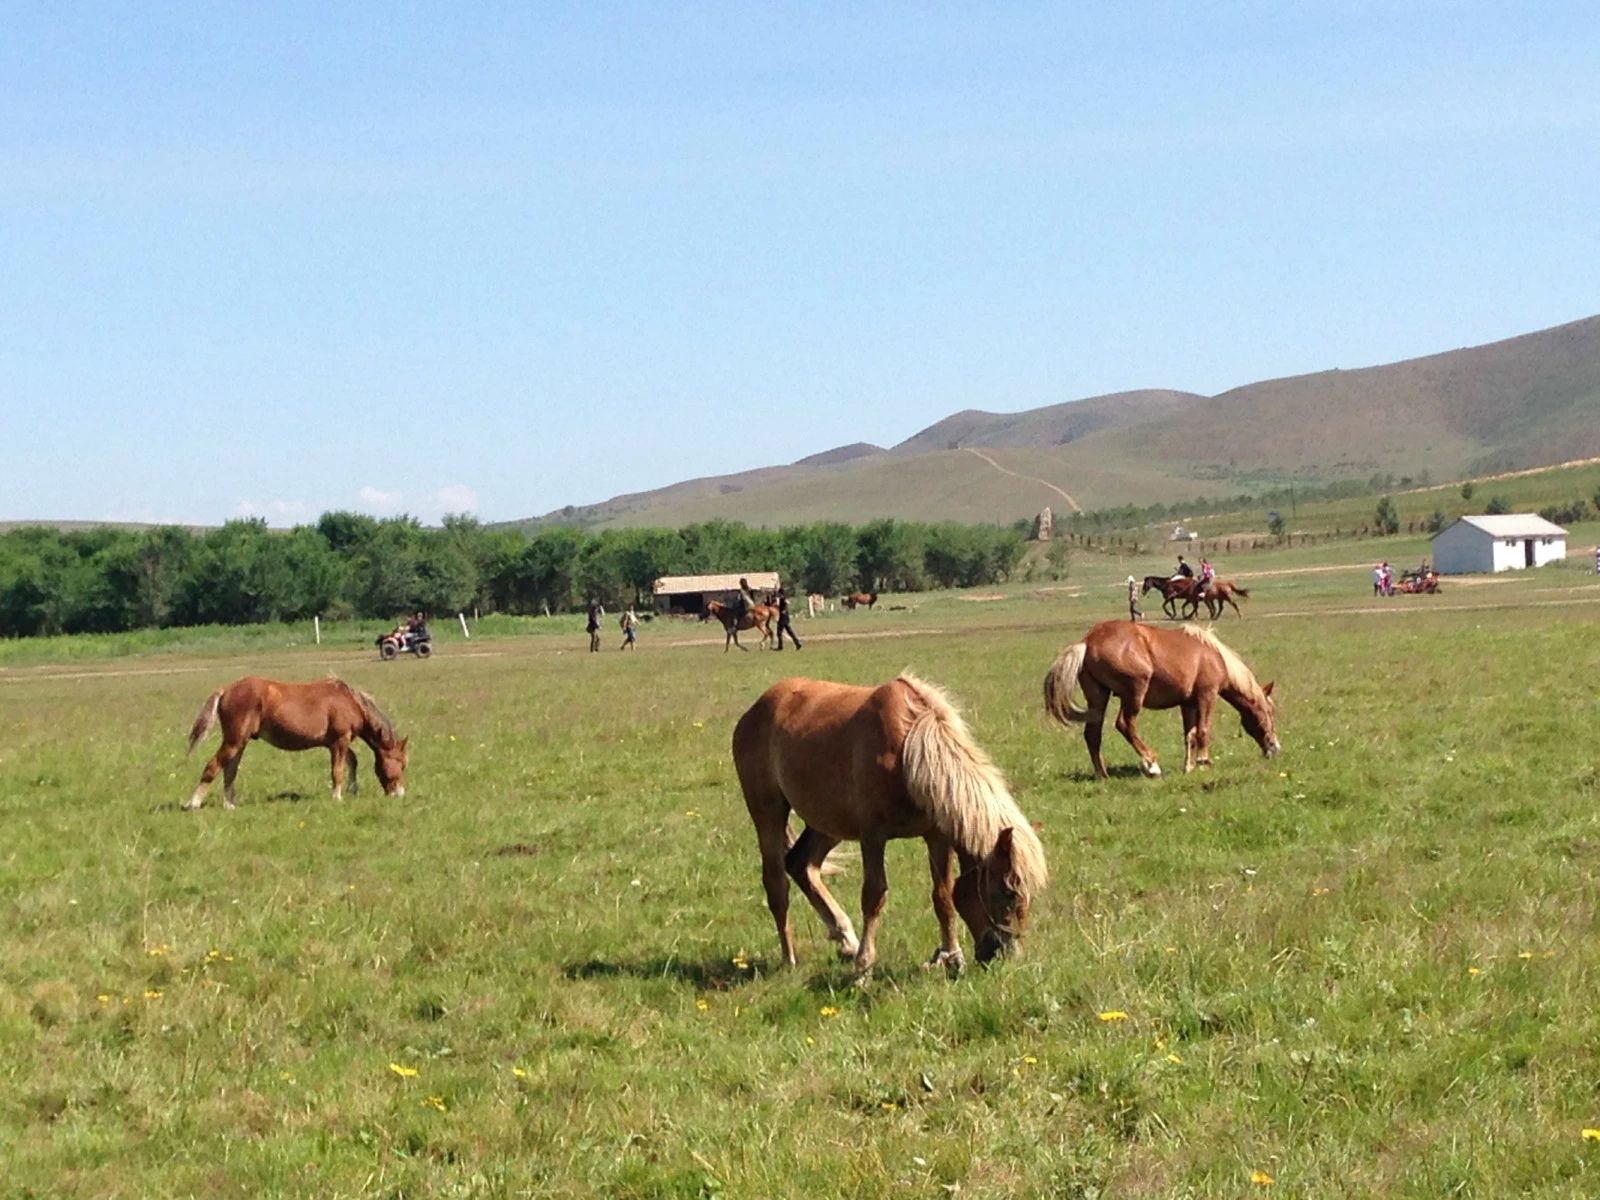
pixel 994 899
pixel 1257 715
pixel 389 759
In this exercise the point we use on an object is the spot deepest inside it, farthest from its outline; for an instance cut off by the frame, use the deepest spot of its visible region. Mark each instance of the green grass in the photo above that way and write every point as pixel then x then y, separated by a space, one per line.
pixel 1373 958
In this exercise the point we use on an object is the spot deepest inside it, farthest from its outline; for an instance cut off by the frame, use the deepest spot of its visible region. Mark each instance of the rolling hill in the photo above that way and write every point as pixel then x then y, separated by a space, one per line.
pixel 1523 402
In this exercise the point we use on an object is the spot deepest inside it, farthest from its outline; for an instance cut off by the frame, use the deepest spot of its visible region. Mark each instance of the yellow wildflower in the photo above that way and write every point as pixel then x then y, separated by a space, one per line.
pixel 519 1072
pixel 1173 1058
pixel 435 1102
pixel 1591 1135
pixel 811 1041
pixel 1029 1059
pixel 1113 1015
pixel 1319 891
pixel 403 1072
pixel 889 1106
pixel 1525 955
pixel 829 1010
pixel 1262 1178
pixel 1474 970
pixel 152 993
pixel 702 1004
pixel 104 998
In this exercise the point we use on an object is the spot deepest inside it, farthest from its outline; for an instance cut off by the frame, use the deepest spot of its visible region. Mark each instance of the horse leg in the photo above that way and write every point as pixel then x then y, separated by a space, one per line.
pixel 230 771
pixel 1094 726
pixel 941 865
pixel 804 864
pixel 1127 715
pixel 352 770
pixel 1204 706
pixel 874 893
pixel 227 756
pixel 339 751
pixel 1191 718
pixel 772 834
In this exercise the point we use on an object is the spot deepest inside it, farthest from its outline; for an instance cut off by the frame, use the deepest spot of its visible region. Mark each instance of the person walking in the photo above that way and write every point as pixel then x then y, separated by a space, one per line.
pixel 629 623
pixel 783 620
pixel 594 628
pixel 1377 580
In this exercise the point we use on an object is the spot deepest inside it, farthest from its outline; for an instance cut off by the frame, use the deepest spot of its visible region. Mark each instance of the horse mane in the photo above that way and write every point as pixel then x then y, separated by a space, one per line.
pixel 1240 678
pixel 373 714
pixel 967 795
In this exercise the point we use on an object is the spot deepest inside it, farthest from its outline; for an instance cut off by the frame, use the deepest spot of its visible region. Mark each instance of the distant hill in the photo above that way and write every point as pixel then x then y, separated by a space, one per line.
pixel 1523 402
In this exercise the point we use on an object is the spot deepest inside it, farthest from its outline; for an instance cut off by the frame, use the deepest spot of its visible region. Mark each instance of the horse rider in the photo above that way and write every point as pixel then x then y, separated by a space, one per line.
pixel 745 602
pixel 783 619
pixel 1184 571
pixel 1207 574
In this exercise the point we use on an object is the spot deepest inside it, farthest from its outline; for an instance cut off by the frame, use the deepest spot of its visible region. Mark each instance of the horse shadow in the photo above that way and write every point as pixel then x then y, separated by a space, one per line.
pixel 724 975
pixel 214 800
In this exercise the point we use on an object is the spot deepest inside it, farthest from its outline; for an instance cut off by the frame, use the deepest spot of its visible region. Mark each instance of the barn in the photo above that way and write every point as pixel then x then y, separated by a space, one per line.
pixel 689 593
pixel 1510 542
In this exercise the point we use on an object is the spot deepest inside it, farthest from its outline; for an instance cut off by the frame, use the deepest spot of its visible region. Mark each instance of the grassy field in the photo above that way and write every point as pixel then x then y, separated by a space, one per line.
pixel 1367 967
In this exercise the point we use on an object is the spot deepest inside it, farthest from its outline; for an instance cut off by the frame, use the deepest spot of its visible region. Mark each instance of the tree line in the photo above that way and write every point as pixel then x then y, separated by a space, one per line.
pixel 106 580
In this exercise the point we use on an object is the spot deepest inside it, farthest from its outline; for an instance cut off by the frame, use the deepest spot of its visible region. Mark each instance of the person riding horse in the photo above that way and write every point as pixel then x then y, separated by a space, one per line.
pixel 745 602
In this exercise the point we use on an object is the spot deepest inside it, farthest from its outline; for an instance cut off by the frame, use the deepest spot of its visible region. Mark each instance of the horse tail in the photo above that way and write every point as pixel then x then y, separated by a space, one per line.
pixel 1240 591
pixel 207 718
pixel 1061 680
pixel 948 775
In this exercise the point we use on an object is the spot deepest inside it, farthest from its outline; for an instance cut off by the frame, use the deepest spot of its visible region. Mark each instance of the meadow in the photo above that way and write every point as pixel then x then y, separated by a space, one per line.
pixel 1366 967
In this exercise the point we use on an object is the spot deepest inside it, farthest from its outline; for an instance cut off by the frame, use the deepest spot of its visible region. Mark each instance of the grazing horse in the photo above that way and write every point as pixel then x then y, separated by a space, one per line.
pixel 297 716
pixel 1223 591
pixel 1147 666
pixel 864 599
pixel 867 765
pixel 1172 590
pixel 759 616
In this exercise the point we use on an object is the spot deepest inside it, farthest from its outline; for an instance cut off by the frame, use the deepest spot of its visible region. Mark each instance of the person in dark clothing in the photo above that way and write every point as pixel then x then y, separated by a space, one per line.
pixel 783 620
pixel 1184 571
pixel 594 629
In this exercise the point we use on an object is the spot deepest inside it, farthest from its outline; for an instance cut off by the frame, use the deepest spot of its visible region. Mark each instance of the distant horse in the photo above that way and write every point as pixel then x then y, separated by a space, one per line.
pixel 864 599
pixel 297 716
pixel 1148 666
pixel 871 764
pixel 1222 591
pixel 759 616
pixel 1172 591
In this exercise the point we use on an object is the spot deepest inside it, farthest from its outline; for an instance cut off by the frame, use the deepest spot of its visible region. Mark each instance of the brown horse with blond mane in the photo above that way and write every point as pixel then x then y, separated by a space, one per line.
pixel 758 616
pixel 297 716
pixel 1148 666
pixel 868 765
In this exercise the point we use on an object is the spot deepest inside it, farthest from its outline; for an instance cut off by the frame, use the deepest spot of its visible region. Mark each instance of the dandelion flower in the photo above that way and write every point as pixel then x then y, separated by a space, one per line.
pixel 1029 1060
pixel 1319 891
pixel 1525 955
pixel 435 1102
pixel 1113 1015
pixel 1591 1135
pixel 888 1106
pixel 698 724
pixel 702 1004
pixel 403 1072
pixel 1261 1178
pixel 519 1072
pixel 1474 970
pixel 1175 1060
pixel 104 998
pixel 829 1010
pixel 152 993
pixel 810 1041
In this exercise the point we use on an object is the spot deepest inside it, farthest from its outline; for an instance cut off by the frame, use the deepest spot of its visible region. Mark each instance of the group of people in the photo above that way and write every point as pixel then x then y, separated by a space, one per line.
pixel 742 604
pixel 1184 571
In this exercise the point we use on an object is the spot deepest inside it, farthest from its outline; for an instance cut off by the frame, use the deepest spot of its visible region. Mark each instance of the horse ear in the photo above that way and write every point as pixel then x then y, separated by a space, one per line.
pixel 1003 847
pixel 1267 688
pixel 403 742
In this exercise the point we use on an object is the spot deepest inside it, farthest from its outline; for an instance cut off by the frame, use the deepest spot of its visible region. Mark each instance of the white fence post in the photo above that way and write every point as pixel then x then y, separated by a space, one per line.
pixel 316 623
pixel 465 632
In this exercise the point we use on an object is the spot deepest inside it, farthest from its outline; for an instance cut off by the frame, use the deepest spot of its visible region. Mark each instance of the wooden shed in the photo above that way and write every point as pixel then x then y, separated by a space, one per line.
pixel 1486 544
pixel 689 593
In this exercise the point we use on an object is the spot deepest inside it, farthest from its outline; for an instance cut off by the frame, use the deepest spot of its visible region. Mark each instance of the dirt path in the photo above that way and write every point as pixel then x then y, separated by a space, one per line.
pixel 1030 478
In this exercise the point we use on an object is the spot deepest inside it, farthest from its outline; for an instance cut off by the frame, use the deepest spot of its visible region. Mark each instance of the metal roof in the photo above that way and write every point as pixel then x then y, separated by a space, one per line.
pixel 1515 525
pixel 673 585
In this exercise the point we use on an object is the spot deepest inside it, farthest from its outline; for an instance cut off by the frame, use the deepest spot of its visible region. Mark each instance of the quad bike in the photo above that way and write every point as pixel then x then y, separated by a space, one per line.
pixel 392 645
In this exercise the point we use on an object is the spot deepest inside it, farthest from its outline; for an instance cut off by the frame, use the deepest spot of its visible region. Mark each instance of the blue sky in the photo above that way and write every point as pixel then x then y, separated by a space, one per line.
pixel 267 259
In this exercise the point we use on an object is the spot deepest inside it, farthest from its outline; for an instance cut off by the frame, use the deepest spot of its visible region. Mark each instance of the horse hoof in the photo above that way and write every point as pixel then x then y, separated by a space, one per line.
pixel 951 960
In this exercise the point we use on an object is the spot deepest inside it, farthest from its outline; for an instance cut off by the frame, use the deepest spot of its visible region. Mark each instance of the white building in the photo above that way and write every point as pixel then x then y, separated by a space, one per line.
pixel 689 593
pixel 1482 545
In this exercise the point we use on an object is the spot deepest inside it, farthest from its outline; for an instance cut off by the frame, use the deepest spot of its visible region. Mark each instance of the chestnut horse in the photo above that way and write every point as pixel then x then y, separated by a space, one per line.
pixel 1223 591
pixel 1183 588
pixel 864 599
pixel 1148 666
pixel 867 765
pixel 759 616
pixel 297 716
